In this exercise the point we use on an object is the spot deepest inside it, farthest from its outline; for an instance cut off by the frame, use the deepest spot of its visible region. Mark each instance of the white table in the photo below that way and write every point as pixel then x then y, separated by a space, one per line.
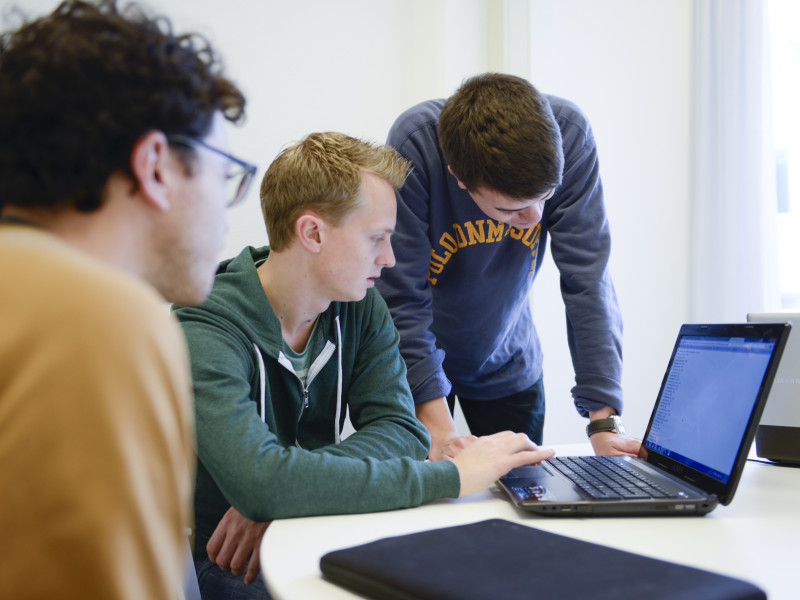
pixel 756 537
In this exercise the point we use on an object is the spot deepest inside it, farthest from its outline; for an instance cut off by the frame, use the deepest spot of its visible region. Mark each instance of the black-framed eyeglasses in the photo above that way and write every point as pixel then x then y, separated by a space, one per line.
pixel 239 177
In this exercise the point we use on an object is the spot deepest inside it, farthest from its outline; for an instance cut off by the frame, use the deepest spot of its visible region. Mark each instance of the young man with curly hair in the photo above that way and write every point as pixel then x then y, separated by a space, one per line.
pixel 114 175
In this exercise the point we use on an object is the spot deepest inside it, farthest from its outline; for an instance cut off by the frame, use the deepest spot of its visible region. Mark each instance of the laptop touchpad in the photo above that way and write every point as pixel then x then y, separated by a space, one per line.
pixel 528 472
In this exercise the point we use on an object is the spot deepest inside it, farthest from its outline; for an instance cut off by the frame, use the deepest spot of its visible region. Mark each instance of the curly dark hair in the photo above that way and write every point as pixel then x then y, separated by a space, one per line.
pixel 80 86
pixel 498 131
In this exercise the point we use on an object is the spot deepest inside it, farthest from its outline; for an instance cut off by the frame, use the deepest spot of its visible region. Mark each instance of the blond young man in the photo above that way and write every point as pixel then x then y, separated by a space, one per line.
pixel 295 336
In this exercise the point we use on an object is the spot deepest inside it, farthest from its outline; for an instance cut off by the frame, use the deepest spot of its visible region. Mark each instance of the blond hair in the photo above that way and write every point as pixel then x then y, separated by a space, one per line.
pixel 322 173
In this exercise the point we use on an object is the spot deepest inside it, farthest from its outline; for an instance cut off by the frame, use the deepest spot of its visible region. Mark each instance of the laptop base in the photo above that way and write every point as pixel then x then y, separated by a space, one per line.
pixel 542 490
pixel 630 509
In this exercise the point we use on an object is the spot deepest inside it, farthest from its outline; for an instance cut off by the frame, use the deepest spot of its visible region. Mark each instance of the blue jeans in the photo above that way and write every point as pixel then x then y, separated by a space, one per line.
pixel 216 584
pixel 522 412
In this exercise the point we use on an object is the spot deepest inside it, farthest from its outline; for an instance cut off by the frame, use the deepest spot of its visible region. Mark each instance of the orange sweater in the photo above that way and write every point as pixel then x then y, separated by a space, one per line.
pixel 96 467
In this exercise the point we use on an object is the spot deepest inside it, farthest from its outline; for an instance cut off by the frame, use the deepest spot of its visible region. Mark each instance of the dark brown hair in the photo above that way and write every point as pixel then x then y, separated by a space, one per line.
pixel 80 86
pixel 498 131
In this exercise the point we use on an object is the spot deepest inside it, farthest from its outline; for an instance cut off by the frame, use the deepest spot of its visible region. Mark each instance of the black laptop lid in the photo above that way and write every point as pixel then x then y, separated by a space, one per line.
pixel 711 400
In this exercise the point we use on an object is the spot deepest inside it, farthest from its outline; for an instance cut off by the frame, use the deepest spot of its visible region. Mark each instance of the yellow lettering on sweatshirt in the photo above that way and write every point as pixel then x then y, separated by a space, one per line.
pixel 495 230
pixel 476 235
pixel 448 242
pixel 462 241
pixel 472 233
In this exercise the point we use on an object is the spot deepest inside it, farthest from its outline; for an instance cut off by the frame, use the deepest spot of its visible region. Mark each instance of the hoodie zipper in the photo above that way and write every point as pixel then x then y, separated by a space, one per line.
pixel 313 371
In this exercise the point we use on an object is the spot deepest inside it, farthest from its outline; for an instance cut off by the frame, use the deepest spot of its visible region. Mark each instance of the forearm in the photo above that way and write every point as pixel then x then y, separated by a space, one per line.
pixel 580 243
pixel 383 439
pixel 445 440
pixel 296 483
pixel 602 413
pixel 436 417
pixel 609 442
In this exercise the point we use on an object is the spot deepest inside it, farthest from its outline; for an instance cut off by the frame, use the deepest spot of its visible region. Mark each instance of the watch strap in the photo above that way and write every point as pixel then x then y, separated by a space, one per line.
pixel 612 423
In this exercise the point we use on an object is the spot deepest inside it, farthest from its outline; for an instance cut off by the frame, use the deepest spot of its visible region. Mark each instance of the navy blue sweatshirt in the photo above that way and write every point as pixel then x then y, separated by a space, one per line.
pixel 460 292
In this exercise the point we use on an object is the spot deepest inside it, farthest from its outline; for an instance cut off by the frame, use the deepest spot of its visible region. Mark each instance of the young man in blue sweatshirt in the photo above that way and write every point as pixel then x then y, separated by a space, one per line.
pixel 496 169
pixel 292 338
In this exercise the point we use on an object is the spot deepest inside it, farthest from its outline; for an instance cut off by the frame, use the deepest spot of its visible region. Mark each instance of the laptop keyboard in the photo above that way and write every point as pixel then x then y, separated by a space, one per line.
pixel 604 478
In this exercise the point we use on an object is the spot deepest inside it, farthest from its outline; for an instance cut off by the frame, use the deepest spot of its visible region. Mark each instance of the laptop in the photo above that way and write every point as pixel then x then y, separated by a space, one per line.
pixel 696 443
pixel 778 434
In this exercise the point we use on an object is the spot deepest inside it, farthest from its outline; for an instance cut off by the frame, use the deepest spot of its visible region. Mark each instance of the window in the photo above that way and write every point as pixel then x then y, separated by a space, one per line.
pixel 784 17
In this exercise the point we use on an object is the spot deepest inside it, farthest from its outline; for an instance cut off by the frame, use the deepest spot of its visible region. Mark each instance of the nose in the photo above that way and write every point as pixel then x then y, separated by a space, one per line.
pixel 386 258
pixel 531 215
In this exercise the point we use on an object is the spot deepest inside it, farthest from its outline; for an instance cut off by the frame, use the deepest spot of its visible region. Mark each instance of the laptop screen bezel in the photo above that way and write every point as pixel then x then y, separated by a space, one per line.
pixel 724 491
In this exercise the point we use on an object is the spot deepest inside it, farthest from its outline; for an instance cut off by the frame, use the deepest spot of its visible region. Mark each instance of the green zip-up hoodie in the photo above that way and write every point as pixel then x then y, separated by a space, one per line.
pixel 283 460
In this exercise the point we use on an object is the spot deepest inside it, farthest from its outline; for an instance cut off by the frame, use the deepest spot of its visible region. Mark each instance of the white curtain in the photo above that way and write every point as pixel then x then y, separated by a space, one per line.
pixel 733 249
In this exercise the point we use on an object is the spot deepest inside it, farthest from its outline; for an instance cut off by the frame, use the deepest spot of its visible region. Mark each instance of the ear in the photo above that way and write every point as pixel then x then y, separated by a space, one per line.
pixel 461 185
pixel 149 160
pixel 310 231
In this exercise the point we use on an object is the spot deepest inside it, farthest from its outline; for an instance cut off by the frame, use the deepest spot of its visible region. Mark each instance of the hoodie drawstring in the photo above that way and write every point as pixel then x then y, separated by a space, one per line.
pixel 336 433
pixel 263 383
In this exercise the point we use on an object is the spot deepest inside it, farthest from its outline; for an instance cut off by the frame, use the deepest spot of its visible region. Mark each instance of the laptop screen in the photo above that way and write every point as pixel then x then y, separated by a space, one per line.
pixel 706 400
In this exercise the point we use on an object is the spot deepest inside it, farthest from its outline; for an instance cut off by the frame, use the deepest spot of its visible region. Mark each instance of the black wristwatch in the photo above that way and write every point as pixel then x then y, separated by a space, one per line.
pixel 612 423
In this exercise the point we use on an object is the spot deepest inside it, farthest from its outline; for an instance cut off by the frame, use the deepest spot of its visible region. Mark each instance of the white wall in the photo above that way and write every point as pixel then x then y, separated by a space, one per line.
pixel 354 65
pixel 627 63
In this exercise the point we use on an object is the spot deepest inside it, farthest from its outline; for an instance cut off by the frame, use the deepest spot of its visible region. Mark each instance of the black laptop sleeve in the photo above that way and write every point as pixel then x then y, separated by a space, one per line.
pixel 498 559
